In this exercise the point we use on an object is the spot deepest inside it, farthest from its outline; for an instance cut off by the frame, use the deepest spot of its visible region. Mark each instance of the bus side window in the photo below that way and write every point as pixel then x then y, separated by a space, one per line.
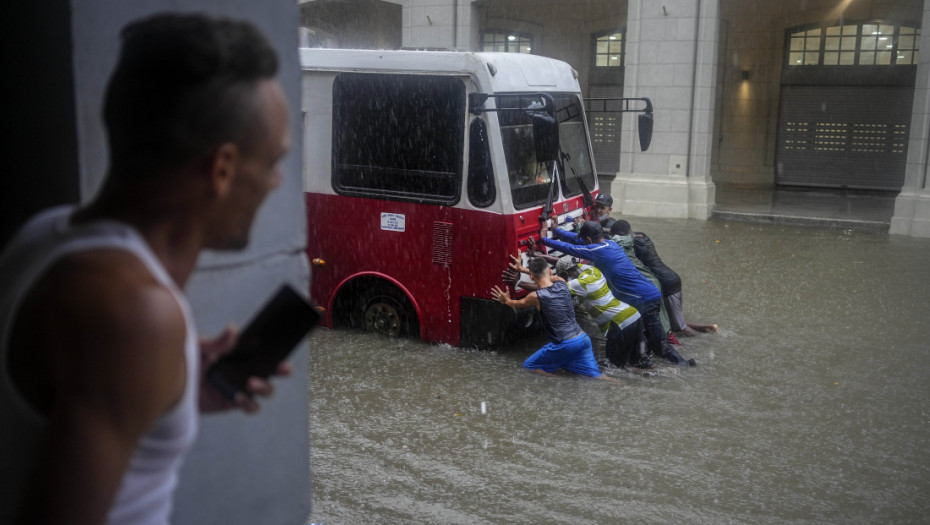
pixel 480 183
pixel 398 137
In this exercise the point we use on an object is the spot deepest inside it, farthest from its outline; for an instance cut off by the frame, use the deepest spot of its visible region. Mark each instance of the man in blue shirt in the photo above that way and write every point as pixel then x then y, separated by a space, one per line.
pixel 624 280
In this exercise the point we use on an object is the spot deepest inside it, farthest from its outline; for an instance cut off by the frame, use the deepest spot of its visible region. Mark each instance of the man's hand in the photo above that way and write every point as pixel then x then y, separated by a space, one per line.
pixel 530 246
pixel 210 399
pixel 511 277
pixel 516 266
pixel 502 296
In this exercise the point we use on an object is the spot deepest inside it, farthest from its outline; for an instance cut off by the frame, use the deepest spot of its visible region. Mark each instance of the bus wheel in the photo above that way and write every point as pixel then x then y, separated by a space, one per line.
pixel 387 311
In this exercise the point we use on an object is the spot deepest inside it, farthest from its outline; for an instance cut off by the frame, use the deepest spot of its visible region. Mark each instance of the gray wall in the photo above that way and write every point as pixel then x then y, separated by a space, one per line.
pixel 243 469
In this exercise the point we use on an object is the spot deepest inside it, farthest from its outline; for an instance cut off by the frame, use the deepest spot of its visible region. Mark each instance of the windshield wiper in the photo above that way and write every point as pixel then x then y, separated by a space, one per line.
pixel 547 209
pixel 588 200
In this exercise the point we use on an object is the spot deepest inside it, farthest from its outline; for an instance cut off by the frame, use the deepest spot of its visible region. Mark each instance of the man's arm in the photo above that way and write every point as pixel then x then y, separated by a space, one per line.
pixel 557 232
pixel 565 235
pixel 582 251
pixel 503 296
pixel 512 277
pixel 114 346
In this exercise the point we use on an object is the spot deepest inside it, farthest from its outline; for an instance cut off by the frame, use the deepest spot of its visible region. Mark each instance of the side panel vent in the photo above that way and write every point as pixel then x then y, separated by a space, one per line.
pixel 442 243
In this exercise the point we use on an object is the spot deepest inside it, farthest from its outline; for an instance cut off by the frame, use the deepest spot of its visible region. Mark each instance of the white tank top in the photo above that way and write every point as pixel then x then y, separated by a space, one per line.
pixel 145 493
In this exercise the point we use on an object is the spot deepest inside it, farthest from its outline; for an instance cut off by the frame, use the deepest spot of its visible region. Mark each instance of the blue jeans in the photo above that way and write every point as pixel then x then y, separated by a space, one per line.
pixel 574 355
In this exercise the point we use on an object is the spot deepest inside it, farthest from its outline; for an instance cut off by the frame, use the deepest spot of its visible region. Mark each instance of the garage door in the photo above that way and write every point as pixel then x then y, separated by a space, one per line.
pixel 843 136
pixel 845 105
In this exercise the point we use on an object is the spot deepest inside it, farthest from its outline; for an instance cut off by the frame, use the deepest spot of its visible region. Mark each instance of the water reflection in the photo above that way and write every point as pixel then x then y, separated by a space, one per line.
pixel 809 406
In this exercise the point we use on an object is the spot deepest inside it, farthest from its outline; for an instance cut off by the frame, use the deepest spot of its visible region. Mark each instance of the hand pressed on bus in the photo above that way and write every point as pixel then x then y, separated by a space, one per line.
pixel 530 246
pixel 516 266
pixel 503 296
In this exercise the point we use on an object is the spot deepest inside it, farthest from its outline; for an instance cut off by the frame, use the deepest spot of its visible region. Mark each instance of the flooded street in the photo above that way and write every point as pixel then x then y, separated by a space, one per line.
pixel 809 406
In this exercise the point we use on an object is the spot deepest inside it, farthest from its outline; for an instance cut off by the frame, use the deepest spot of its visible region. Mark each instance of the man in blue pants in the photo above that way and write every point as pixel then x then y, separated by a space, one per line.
pixel 569 346
pixel 625 281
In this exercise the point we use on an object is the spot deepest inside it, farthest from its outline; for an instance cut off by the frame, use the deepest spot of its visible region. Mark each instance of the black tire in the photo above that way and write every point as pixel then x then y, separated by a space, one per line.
pixel 386 310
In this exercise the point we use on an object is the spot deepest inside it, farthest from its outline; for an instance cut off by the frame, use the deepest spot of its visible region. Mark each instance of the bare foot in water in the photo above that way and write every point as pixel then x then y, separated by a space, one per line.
pixel 704 328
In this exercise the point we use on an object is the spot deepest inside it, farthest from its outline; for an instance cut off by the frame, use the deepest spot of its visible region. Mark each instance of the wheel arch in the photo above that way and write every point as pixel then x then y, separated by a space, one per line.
pixel 346 291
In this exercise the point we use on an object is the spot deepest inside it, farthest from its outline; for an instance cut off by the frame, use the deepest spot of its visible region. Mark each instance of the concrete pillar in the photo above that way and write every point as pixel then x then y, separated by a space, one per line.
pixel 672 59
pixel 440 24
pixel 912 207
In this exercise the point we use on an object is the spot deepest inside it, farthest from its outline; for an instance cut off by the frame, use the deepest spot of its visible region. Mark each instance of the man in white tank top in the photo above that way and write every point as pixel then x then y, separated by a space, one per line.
pixel 99 357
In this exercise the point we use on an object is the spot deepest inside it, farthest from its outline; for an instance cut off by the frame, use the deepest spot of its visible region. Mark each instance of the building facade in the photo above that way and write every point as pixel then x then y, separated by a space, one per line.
pixel 816 94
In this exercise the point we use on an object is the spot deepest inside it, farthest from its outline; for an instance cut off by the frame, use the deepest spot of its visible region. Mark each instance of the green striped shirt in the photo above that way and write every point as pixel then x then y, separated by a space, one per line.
pixel 603 307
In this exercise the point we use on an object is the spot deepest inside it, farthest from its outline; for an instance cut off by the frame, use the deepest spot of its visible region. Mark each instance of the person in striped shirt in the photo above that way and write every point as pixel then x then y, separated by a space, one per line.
pixel 620 323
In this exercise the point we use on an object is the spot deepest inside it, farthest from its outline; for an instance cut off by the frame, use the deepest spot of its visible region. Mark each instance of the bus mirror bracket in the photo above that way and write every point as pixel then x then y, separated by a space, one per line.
pixel 645 120
pixel 541 110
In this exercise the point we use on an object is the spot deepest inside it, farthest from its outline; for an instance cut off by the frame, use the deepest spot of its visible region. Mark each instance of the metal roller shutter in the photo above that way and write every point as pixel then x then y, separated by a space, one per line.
pixel 843 136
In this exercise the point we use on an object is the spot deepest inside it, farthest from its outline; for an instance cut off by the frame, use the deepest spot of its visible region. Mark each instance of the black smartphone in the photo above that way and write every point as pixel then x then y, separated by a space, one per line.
pixel 266 341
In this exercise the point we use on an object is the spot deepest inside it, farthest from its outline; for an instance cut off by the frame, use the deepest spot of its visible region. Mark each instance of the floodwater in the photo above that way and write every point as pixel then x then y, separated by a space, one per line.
pixel 809 406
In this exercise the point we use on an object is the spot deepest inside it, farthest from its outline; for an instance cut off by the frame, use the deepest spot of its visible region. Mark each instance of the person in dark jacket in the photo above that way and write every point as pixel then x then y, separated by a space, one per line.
pixel 669 280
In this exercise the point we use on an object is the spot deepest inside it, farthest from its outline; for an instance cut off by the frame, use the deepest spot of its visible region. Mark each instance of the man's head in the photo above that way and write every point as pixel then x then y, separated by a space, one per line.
pixel 538 267
pixel 591 232
pixel 196 97
pixel 567 267
pixel 603 205
pixel 620 228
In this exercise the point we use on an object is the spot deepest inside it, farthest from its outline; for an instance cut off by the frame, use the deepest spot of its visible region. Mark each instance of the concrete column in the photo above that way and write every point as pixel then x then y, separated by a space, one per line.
pixel 440 24
pixel 672 59
pixel 912 207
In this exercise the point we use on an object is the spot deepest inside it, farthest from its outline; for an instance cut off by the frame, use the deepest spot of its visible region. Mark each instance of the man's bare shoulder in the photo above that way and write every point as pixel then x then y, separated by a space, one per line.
pixel 112 319
pixel 112 282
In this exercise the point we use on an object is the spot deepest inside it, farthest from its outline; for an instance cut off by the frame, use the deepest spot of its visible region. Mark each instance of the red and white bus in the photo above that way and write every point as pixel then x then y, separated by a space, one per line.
pixel 423 171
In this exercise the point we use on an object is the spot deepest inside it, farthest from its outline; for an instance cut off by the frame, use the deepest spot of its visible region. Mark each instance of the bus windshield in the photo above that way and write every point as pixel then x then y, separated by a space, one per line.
pixel 529 179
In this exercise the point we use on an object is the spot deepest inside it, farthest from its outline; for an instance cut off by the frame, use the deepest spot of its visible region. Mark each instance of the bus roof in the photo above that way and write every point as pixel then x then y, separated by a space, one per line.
pixel 494 72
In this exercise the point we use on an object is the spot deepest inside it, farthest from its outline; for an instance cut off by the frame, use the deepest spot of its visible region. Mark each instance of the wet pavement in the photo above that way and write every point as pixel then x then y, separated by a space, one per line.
pixel 810 405
pixel 819 207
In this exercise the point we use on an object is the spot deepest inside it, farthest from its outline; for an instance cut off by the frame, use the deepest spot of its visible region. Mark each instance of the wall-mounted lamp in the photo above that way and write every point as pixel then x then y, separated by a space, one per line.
pixel 745 74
